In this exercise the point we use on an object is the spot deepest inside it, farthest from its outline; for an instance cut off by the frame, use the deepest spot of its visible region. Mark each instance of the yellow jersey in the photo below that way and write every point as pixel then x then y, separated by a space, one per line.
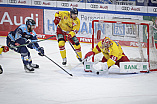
pixel 1 50
pixel 67 24
pixel 112 54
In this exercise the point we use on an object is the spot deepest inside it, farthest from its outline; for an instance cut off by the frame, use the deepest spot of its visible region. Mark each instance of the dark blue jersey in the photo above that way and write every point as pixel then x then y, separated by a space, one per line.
pixel 19 36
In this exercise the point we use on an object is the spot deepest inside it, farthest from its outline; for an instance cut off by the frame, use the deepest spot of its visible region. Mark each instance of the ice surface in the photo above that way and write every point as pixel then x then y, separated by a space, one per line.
pixel 51 85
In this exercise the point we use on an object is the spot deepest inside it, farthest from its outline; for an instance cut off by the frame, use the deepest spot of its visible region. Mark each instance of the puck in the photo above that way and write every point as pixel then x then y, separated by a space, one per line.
pixel 97 73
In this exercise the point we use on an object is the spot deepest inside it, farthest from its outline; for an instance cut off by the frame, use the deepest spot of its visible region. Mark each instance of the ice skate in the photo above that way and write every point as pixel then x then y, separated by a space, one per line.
pixel 64 61
pixel 28 68
pixel 34 65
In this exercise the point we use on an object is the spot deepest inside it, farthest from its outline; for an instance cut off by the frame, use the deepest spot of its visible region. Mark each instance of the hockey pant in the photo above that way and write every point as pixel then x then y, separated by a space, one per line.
pixel 61 43
pixel 25 54
pixel 122 59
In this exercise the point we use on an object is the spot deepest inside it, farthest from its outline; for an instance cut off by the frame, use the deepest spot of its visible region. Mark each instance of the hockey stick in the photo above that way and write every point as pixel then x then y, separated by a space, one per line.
pixel 73 48
pixel 70 43
pixel 86 59
pixel 34 41
pixel 58 65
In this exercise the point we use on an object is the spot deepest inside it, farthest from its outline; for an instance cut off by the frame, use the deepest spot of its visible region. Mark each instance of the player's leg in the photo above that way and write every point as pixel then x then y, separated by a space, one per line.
pixel 25 56
pixel 104 59
pixel 61 43
pixel 77 47
pixel 123 59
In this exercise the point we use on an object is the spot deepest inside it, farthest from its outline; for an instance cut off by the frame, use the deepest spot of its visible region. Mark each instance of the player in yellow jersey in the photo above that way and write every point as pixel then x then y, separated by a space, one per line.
pixel 68 26
pixel 3 49
pixel 112 53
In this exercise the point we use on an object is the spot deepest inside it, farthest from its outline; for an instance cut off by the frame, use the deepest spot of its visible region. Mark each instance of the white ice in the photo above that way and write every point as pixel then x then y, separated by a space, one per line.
pixel 51 85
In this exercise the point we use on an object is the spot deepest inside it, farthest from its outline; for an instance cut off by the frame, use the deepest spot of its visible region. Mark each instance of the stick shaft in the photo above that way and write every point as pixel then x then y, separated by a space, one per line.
pixel 58 65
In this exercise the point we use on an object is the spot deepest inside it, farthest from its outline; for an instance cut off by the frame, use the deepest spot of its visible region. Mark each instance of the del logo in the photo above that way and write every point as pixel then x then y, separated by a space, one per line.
pixel 130 66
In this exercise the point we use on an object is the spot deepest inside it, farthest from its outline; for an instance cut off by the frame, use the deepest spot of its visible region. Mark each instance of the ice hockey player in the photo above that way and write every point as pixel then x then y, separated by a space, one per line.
pixel 22 35
pixel 112 54
pixel 68 26
pixel 4 49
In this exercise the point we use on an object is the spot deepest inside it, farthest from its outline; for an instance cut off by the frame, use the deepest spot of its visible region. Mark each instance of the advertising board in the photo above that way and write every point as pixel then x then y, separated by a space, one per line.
pixel 44 3
pixel 11 18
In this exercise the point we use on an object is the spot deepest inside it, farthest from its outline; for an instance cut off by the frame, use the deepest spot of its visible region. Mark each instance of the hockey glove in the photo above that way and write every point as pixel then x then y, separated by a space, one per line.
pixel 41 51
pixel 30 46
pixel 5 48
pixel 57 20
pixel 89 54
pixel 69 36
pixel 27 36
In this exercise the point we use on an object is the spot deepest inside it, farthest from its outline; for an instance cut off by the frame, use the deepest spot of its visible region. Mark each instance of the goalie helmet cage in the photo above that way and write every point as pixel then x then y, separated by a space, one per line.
pixel 137 35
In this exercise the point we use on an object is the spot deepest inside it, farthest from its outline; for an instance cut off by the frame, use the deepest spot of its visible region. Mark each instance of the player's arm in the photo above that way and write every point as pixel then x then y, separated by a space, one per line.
pixel 19 37
pixel 95 50
pixel 35 45
pixel 75 29
pixel 57 18
pixel 113 53
pixel 111 61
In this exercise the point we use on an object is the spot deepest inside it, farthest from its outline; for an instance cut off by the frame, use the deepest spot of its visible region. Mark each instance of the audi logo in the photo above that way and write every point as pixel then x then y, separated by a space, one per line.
pixel 125 8
pixel 94 6
pixel 65 4
pixel 12 1
pixel 155 10
pixel 37 2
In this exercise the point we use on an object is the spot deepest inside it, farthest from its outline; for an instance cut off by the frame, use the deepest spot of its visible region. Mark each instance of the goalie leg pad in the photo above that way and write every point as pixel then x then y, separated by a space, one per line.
pixel 88 66
pixel 100 68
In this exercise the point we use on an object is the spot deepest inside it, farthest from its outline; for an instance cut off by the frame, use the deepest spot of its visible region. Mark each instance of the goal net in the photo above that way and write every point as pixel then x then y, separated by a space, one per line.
pixel 135 36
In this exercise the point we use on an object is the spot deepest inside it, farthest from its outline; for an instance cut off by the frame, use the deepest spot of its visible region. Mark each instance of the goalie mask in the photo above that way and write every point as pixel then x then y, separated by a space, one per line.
pixel 30 25
pixel 106 43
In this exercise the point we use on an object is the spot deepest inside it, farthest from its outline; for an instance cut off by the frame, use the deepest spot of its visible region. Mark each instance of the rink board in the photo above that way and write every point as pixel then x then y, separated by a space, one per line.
pixel 133 67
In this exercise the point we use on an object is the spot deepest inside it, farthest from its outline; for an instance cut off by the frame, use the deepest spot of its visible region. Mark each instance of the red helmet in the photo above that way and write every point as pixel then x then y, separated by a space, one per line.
pixel 5 48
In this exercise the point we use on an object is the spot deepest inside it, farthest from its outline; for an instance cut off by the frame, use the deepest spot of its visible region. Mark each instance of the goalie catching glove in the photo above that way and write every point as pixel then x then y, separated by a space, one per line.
pixel 41 51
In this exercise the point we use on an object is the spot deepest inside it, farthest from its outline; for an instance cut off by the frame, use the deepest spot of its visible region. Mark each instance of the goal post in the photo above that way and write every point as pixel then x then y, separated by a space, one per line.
pixel 135 36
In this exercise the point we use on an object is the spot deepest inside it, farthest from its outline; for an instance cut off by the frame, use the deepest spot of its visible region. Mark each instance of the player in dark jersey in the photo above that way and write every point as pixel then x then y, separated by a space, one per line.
pixel 22 35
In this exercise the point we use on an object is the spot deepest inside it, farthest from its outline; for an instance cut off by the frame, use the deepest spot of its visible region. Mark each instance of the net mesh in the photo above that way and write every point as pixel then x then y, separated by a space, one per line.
pixel 135 37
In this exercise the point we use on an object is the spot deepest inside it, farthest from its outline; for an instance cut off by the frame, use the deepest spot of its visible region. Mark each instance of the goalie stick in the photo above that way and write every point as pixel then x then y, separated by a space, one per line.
pixel 84 60
pixel 58 65
pixel 34 42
